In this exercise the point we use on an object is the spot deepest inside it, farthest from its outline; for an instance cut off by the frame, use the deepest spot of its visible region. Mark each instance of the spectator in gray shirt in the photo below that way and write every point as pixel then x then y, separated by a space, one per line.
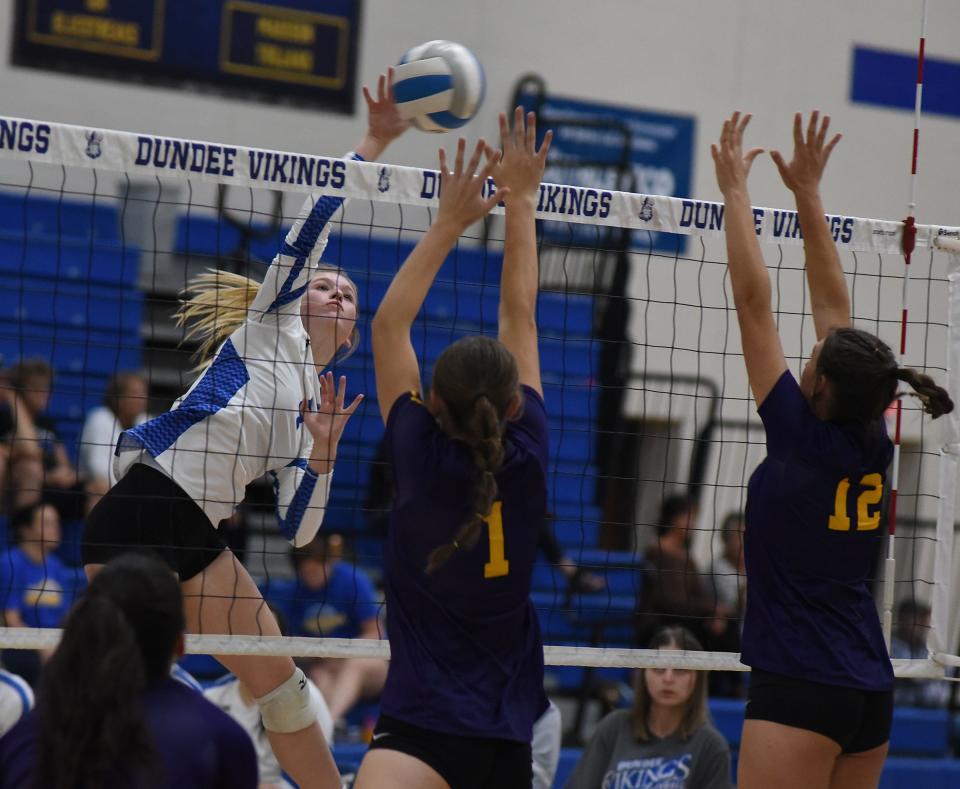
pixel 666 740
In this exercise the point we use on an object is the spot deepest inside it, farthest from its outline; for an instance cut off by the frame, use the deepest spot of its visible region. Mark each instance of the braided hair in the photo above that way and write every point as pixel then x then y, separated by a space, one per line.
pixel 864 376
pixel 476 380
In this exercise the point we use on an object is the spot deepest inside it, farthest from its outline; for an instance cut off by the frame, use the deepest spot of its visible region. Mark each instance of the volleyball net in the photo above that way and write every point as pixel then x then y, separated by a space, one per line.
pixel 644 379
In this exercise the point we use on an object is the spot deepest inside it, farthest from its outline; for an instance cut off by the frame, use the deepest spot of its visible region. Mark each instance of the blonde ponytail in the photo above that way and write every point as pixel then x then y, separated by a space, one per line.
pixel 215 305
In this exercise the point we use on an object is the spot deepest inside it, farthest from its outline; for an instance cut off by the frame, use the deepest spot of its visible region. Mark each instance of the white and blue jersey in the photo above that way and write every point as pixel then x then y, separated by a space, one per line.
pixel 241 418
pixel 16 700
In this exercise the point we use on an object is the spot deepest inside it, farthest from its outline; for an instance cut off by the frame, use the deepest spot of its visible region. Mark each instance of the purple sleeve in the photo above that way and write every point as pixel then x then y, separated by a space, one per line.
pixel 530 430
pixel 786 417
pixel 408 435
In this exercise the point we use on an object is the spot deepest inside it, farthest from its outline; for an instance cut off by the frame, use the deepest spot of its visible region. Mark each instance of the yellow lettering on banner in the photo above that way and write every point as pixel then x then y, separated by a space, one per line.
pixel 285 30
pixel 97 6
pixel 272 56
pixel 95 28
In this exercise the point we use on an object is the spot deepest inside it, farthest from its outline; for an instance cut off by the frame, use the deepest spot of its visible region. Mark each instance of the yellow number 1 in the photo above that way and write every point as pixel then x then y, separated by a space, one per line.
pixel 498 564
pixel 870 496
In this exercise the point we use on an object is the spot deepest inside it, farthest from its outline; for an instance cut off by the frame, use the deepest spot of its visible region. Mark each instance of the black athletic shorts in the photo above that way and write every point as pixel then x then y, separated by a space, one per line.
pixel 147 512
pixel 463 762
pixel 857 720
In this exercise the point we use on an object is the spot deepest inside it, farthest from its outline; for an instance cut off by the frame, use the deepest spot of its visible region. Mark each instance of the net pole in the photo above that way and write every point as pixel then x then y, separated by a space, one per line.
pixel 909 242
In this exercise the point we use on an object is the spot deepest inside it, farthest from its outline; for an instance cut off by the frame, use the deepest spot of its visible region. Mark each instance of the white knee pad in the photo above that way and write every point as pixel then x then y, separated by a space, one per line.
pixel 290 707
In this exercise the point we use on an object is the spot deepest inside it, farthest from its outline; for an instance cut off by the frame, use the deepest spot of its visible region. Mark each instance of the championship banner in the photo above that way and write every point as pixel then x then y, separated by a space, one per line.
pixel 149 155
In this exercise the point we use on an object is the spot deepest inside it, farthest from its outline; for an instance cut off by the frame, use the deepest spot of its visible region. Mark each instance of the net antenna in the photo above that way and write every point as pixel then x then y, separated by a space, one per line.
pixel 909 241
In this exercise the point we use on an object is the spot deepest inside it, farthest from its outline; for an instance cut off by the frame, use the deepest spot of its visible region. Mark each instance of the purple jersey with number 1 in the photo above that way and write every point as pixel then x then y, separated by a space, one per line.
pixel 466 652
pixel 811 542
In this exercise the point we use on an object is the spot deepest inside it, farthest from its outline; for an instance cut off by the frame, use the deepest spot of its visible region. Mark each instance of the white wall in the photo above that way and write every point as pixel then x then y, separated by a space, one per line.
pixel 700 58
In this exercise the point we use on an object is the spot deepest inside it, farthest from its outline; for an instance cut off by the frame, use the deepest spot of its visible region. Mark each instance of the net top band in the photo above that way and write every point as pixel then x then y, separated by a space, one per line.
pixel 150 155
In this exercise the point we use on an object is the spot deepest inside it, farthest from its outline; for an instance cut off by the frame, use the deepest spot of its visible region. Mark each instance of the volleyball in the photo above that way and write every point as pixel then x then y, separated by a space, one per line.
pixel 439 86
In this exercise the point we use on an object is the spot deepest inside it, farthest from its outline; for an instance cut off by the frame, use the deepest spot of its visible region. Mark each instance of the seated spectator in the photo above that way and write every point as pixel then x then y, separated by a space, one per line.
pixel 232 696
pixel 728 577
pixel 108 712
pixel 728 572
pixel 124 406
pixel 335 599
pixel 37 589
pixel 910 641
pixel 16 700
pixel 666 739
pixel 39 467
pixel 675 590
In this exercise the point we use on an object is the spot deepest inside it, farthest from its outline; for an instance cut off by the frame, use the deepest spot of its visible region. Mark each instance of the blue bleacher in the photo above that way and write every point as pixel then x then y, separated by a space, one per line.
pixel 70 298
pixel 69 260
pixel 37 214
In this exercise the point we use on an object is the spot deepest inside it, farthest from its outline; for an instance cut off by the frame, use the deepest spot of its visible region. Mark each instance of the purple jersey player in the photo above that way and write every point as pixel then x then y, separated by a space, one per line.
pixel 821 701
pixel 465 682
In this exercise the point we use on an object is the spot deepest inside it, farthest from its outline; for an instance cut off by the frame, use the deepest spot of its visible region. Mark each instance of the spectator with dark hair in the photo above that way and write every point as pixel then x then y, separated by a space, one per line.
pixel 108 712
pixel 124 406
pixel 910 641
pixel 36 588
pixel 334 599
pixel 728 573
pixel 39 467
pixel 675 590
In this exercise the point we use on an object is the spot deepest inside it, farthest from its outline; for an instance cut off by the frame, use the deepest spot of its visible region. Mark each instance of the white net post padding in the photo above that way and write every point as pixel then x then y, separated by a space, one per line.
pixel 134 156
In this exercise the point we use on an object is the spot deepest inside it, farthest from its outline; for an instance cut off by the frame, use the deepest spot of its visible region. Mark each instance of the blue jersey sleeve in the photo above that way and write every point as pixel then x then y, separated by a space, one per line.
pixel 295 264
pixel 786 417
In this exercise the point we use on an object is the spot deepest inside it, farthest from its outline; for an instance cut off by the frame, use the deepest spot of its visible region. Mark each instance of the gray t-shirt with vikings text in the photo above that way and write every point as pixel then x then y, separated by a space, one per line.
pixel 615 759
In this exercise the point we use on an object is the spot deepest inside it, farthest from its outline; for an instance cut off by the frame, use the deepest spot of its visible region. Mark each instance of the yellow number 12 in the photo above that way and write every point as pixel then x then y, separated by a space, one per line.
pixel 498 564
pixel 872 485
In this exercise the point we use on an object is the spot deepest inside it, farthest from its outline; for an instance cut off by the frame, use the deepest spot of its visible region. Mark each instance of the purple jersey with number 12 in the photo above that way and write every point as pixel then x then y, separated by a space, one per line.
pixel 466 652
pixel 811 542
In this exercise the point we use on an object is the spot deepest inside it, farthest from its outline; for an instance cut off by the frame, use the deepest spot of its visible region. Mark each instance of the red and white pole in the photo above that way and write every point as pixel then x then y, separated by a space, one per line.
pixel 909 241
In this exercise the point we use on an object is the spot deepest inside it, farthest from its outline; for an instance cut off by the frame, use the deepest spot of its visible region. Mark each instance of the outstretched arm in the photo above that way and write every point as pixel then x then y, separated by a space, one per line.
pixel 461 204
pixel 762 350
pixel 829 299
pixel 521 170
pixel 297 260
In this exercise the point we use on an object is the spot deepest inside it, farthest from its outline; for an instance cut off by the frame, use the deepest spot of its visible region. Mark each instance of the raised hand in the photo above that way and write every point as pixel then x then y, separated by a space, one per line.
pixel 731 164
pixel 384 123
pixel 521 167
pixel 327 422
pixel 461 190
pixel 810 153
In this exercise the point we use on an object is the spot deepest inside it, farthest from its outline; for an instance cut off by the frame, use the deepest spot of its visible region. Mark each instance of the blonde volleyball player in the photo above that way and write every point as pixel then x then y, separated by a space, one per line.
pixel 821 692
pixel 465 681
pixel 262 405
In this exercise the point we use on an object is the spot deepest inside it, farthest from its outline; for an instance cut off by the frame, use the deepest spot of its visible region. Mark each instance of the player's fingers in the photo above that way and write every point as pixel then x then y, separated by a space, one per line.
pixel 390 73
pixel 531 132
pixel 474 163
pixel 493 159
pixel 495 198
pixel 745 121
pixel 353 405
pixel 812 127
pixel 798 129
pixel 504 130
pixel 752 154
pixel 458 161
pixel 830 146
pixel 443 162
pixel 367 97
pixel 822 133
pixel 545 147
